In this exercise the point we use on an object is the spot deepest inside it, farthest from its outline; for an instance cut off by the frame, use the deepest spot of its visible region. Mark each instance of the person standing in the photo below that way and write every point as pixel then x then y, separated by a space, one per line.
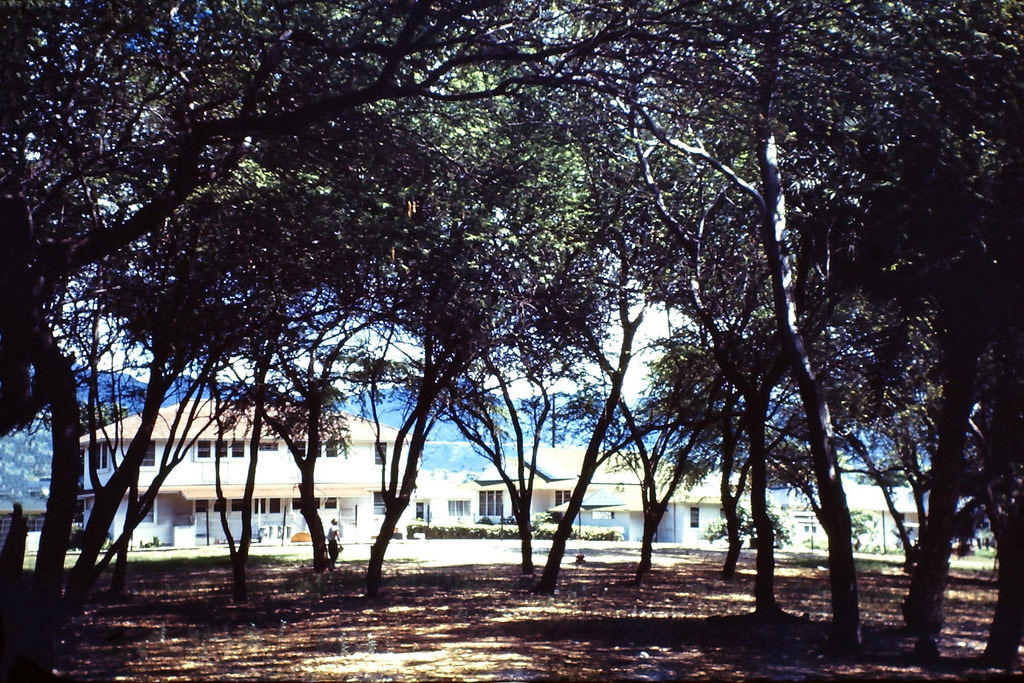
pixel 333 547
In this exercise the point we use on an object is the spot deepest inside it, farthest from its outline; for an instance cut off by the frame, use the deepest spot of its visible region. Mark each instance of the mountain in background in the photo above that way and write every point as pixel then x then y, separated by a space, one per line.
pixel 25 456
pixel 25 462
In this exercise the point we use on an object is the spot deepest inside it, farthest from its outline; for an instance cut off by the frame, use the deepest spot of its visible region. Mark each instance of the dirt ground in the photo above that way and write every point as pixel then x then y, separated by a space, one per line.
pixel 461 610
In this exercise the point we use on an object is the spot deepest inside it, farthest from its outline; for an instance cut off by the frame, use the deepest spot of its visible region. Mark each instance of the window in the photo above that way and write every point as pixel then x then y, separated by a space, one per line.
pixel 275 506
pixel 491 504
pixel 378 503
pixel 604 514
pixel 694 518
pixel 237 504
pixel 330 503
pixel 296 503
pixel 268 447
pixel 150 517
pixel 423 511
pixel 380 453
pixel 237 449
pixel 149 459
pixel 221 449
pixel 202 450
pixel 332 448
pixel 202 506
pixel 458 508
pixel 562 497
pixel 102 456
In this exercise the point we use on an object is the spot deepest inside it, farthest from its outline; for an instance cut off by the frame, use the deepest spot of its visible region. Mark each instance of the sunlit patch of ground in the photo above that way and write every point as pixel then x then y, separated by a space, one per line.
pixel 461 610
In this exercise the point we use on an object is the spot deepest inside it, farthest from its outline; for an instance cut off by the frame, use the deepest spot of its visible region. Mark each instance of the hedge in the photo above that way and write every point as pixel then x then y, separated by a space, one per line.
pixel 506 531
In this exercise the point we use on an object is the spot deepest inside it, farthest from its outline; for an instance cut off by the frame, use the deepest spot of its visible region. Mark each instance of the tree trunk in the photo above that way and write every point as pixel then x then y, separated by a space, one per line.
pixel 643 567
pixel 732 554
pixel 845 636
pixel 60 508
pixel 549 577
pixel 108 498
pixel 731 500
pixel 616 376
pixel 105 504
pixel 239 584
pixel 119 577
pixel 765 605
pixel 313 522
pixel 1004 639
pixel 12 557
pixel 923 607
pixel 375 568
pixel 525 539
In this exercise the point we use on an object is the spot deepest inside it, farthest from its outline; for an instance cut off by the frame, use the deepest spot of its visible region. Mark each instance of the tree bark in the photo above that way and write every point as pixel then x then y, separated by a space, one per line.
pixel 923 609
pixel 120 575
pixel 312 517
pixel 525 541
pixel 60 507
pixel 845 635
pixel 549 577
pixel 1004 639
pixel 765 604
pixel 730 500
pixel 732 554
pixel 108 499
pixel 643 567
pixel 616 375
pixel 375 567
pixel 12 557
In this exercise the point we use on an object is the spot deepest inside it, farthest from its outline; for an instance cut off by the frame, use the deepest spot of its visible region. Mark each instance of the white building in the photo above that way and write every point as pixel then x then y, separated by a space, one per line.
pixel 348 480
pixel 880 531
pixel 613 499
pixel 185 513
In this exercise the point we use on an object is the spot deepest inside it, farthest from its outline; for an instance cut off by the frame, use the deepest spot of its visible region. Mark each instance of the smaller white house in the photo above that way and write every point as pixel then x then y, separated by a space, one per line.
pixel 864 500
pixel 33 507
pixel 613 499
pixel 444 499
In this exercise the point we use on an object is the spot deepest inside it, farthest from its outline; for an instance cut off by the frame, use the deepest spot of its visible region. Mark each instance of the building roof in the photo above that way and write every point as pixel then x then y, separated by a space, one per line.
pixel 600 499
pixel 194 419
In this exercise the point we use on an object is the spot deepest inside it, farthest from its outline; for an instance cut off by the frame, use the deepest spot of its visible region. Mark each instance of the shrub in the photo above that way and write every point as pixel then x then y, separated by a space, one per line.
pixel 154 543
pixel 717 530
pixel 542 531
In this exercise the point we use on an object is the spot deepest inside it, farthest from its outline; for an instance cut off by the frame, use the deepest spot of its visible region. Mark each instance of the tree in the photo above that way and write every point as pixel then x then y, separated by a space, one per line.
pixel 117 118
pixel 151 302
pixel 659 447
pixel 240 553
pixel 618 281
pixel 997 425
pixel 929 239
pixel 486 415
pixel 758 58
pixel 729 433
pixel 504 404
pixel 441 299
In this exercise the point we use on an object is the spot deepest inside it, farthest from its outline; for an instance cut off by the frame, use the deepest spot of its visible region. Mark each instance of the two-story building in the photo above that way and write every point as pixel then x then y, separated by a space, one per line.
pixel 185 511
